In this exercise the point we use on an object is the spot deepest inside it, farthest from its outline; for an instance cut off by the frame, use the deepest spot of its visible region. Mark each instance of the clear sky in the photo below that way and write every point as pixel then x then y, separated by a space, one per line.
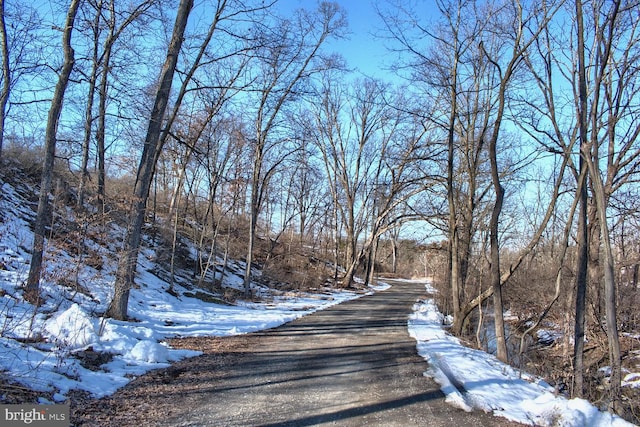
pixel 361 50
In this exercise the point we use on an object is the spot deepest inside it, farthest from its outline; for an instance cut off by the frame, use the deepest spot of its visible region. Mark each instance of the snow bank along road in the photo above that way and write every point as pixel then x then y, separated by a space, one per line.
pixel 353 364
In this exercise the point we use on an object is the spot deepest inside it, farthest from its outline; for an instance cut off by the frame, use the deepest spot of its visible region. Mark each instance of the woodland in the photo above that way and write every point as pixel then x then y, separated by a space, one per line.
pixel 501 159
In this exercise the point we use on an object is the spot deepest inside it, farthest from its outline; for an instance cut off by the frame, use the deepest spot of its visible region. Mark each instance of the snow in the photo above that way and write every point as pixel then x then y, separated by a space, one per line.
pixel 137 346
pixel 71 329
pixel 40 347
pixel 472 379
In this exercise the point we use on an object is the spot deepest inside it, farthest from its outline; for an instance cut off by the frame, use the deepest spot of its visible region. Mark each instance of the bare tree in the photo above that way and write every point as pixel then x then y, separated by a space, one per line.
pixel 557 134
pixel 6 73
pixel 456 83
pixel 370 147
pixel 197 57
pixel 307 187
pixel 455 277
pixel 98 78
pixel 20 48
pixel 288 53
pixel 605 97
pixel 472 88
pixel 224 150
pixel 88 121
pixel 504 78
pixel 33 281
pixel 128 261
pixel 524 31
pixel 581 276
pixel 596 74
pixel 347 148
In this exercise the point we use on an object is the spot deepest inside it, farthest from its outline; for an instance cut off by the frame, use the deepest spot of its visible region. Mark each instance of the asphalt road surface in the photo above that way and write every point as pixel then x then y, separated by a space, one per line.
pixel 351 365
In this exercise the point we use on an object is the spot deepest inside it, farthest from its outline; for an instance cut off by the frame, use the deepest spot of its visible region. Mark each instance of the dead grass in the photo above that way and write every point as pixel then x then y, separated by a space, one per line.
pixel 12 393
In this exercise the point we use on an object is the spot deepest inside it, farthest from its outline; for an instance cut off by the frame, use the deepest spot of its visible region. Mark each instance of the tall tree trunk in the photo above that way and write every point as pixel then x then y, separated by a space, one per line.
pixel 6 74
pixel 371 262
pixel 607 262
pixel 496 282
pixel 88 120
pixel 601 197
pixel 335 236
pixel 454 255
pixel 102 107
pixel 253 217
pixel 112 35
pixel 583 246
pixel 125 273
pixel 100 137
pixel 394 256
pixel 581 286
pixel 601 194
pixel 496 285
pixel 518 50
pixel 33 281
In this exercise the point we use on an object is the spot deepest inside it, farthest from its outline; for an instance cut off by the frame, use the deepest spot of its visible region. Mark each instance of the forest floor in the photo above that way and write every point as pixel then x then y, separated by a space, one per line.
pixel 352 364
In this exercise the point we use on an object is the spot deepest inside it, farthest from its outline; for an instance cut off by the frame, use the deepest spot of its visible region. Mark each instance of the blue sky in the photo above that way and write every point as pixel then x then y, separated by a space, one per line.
pixel 361 50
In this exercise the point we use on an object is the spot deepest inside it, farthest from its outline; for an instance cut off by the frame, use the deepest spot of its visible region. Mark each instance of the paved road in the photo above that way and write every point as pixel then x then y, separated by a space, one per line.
pixel 351 365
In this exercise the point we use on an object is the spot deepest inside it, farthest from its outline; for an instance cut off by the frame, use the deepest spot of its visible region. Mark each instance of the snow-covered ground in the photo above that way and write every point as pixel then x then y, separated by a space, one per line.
pixel 136 346
pixel 44 348
pixel 472 379
pixel 40 347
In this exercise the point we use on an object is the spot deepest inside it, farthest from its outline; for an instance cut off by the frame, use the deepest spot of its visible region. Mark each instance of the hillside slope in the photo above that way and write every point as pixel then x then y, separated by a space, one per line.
pixel 65 345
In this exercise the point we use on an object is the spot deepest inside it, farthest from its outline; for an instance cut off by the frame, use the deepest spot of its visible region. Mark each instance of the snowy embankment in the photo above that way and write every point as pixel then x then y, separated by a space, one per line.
pixel 66 345
pixel 46 349
pixel 473 379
